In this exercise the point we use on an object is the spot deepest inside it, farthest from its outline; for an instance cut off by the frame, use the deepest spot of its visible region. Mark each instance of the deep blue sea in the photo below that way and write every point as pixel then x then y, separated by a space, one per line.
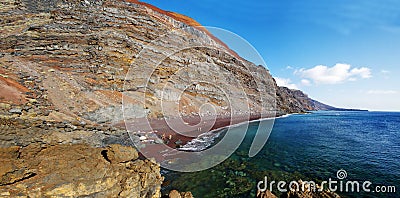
pixel 309 147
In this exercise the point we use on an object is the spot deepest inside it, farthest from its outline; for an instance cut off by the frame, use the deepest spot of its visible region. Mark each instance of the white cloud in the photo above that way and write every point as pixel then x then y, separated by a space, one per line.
pixel 382 92
pixel 339 73
pixel 284 82
pixel 305 82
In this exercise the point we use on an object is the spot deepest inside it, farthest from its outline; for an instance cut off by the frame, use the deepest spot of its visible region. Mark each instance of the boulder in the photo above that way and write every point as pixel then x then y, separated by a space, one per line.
pixel 174 194
pixel 119 154
pixel 177 194
pixel 265 194
pixel 76 171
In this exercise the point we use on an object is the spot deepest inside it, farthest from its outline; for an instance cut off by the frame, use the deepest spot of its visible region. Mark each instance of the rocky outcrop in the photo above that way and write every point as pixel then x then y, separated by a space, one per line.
pixel 176 194
pixel 295 101
pixel 40 170
pixel 18 130
pixel 265 194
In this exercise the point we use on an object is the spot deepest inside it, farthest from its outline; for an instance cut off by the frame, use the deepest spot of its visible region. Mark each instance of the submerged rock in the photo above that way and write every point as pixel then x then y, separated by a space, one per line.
pixel 176 194
pixel 266 194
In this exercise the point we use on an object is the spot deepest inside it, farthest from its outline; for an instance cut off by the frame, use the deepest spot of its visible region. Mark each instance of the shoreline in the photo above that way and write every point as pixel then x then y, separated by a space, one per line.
pixel 218 131
pixel 161 128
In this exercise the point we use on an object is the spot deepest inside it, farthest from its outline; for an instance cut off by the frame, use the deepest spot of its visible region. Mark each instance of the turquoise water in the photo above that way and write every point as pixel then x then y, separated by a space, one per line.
pixel 309 147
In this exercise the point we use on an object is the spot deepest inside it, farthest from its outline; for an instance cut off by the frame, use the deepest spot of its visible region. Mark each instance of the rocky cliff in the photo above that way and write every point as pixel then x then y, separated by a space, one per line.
pixel 78 59
pixel 72 70
pixel 295 101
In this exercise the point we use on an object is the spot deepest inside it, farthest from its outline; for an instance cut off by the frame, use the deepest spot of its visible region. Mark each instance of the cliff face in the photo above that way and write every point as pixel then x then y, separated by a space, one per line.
pixel 295 101
pixel 77 59
pixel 74 59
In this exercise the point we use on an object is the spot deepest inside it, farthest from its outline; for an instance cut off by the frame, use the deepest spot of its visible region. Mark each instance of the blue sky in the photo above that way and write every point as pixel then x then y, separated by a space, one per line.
pixel 344 53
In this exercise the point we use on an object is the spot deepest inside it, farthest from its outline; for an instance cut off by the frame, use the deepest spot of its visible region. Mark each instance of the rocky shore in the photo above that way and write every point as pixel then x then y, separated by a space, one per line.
pixel 63 77
pixel 40 170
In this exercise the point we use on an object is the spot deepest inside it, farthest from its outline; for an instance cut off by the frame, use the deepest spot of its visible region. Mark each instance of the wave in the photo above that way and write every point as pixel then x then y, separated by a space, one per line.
pixel 205 140
pixel 202 142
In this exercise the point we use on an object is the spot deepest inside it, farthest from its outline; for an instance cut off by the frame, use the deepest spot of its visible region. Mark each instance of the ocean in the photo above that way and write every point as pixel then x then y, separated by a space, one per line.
pixel 311 147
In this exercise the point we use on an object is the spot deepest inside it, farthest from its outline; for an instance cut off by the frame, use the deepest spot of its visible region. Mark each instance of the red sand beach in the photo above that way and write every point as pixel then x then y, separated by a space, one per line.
pixel 188 128
pixel 163 127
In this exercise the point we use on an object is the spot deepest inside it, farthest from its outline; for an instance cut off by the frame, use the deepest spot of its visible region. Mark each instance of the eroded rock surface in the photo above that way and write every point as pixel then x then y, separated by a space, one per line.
pixel 177 194
pixel 77 170
pixel 78 59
